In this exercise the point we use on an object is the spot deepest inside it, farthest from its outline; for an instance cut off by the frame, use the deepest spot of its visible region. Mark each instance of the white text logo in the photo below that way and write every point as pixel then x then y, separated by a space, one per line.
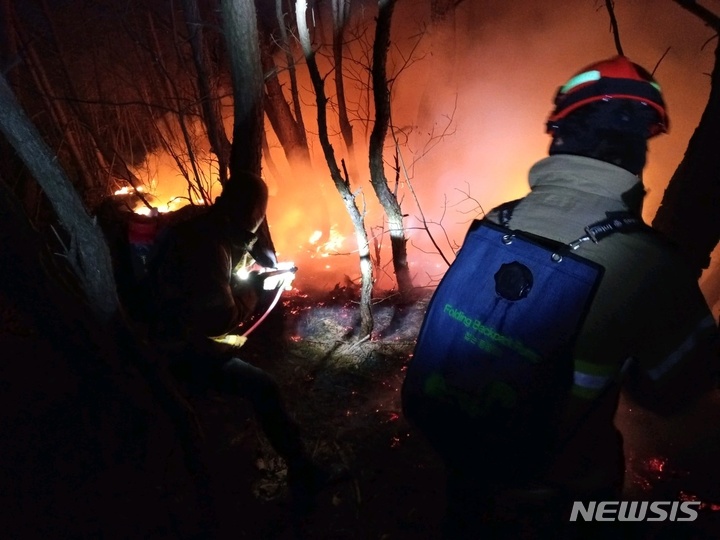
pixel 635 511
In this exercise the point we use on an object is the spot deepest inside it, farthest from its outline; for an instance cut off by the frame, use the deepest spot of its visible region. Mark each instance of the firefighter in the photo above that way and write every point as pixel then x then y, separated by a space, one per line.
pixel 648 307
pixel 198 301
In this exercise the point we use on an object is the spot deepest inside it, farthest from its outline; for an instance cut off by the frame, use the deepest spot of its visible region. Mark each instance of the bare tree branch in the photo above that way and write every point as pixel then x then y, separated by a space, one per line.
pixel 610 5
pixel 712 20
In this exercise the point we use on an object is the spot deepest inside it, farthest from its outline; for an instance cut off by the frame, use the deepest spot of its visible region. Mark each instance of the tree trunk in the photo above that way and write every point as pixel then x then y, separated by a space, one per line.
pixel 439 85
pixel 387 198
pixel 243 43
pixel 287 47
pixel 293 139
pixel 241 35
pixel 441 10
pixel 341 183
pixel 341 12
pixel 688 213
pixel 209 101
pixel 290 134
pixel 87 253
pixel 84 325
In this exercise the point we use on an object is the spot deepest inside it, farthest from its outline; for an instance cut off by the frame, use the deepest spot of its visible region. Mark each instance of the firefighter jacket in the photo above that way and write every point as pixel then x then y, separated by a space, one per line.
pixel 195 294
pixel 648 308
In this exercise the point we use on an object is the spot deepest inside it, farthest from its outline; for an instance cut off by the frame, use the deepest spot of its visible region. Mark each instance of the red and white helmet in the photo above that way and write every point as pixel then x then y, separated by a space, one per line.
pixel 614 78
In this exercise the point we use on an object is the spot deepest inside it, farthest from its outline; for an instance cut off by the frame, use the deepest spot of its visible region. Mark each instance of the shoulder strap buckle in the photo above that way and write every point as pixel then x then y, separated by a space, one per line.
pixel 614 222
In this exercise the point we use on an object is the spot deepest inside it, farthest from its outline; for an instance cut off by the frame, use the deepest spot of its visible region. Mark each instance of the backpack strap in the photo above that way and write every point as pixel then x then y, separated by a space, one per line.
pixel 505 211
pixel 622 221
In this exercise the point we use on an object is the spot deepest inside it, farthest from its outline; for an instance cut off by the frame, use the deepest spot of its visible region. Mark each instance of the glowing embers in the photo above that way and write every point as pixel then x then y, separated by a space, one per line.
pixel 145 203
pixel 708 506
pixel 647 473
pixel 657 465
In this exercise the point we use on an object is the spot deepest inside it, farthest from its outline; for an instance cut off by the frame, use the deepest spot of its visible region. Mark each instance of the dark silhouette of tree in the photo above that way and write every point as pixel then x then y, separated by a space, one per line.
pixel 209 97
pixel 72 298
pixel 241 38
pixel 610 5
pixel 688 213
pixel 65 281
pixel 290 132
pixel 440 10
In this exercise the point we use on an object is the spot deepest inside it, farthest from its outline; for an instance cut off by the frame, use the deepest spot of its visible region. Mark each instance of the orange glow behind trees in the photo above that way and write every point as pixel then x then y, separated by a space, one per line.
pixel 470 92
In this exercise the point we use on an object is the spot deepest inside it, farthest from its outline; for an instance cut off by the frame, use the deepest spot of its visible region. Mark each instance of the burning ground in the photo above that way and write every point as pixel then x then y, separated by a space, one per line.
pixel 345 395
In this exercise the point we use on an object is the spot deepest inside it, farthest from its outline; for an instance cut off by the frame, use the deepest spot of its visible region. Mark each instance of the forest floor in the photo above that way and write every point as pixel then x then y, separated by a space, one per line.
pixel 345 396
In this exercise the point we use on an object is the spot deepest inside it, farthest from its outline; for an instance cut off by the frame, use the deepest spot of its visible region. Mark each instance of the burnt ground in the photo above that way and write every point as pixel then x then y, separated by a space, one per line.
pixel 60 477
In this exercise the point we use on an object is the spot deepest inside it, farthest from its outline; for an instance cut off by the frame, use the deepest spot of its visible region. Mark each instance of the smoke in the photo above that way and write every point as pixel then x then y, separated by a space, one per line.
pixel 471 107
pixel 509 61
pixel 470 98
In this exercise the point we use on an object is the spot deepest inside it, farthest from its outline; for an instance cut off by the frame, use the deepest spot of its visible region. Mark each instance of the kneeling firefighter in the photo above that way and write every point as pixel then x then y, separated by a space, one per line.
pixel 198 303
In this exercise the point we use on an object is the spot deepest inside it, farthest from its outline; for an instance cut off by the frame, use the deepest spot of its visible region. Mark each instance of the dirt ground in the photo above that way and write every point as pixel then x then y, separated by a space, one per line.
pixel 346 397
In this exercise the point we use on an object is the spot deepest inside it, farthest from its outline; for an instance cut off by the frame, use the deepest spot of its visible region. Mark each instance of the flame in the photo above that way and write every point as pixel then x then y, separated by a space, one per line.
pixel 332 246
pixel 314 237
pixel 175 203
pixel 145 211
pixel 162 207
pixel 498 115
pixel 129 190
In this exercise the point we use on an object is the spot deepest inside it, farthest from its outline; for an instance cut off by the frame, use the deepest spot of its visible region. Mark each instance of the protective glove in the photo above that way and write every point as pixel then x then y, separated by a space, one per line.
pixel 280 278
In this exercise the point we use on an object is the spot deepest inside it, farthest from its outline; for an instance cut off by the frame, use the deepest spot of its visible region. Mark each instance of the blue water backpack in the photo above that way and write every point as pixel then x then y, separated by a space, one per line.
pixel 493 359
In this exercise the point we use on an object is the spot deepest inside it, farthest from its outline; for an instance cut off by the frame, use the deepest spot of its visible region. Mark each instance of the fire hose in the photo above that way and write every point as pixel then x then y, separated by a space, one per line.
pixel 280 274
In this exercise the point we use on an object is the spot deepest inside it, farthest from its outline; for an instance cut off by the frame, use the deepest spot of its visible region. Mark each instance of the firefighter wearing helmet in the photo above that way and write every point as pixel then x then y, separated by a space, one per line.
pixel 619 80
pixel 649 329
pixel 608 111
